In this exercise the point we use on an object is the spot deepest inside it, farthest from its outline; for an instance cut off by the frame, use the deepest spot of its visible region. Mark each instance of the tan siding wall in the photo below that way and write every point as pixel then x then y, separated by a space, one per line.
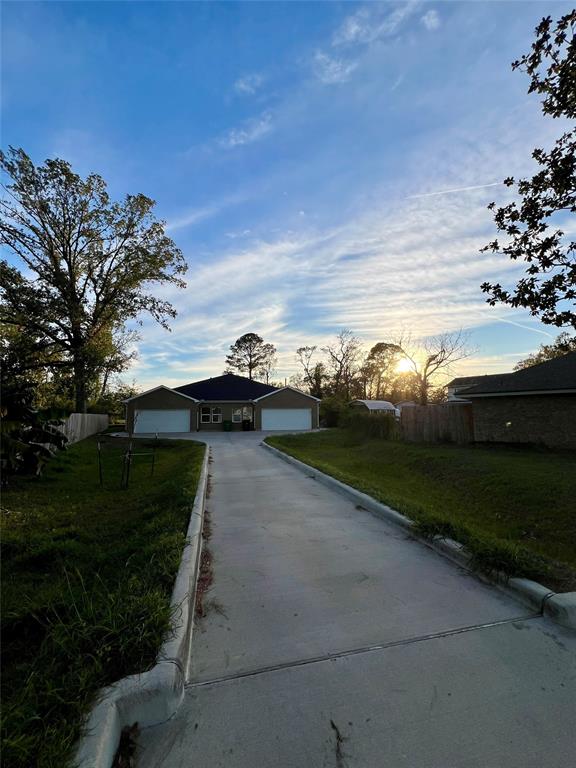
pixel 164 399
pixel 545 419
pixel 287 399
pixel 227 409
pixel 160 399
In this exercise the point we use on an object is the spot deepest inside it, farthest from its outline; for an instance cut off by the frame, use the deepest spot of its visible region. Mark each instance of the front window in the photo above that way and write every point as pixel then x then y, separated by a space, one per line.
pixel 237 415
pixel 205 414
pixel 216 415
pixel 247 413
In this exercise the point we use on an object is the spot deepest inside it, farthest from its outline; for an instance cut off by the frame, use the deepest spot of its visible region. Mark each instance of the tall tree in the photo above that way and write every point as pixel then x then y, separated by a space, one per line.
pixel 314 372
pixel 251 354
pixel 563 344
pixel 343 363
pixel 93 261
pixel 536 224
pixel 379 369
pixel 435 356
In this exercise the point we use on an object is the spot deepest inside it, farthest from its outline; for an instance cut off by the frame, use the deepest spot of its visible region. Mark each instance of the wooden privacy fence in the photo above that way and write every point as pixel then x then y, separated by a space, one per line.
pixel 438 423
pixel 80 425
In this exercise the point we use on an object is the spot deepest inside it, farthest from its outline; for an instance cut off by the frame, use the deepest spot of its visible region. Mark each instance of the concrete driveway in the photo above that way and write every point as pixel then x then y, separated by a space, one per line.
pixel 335 640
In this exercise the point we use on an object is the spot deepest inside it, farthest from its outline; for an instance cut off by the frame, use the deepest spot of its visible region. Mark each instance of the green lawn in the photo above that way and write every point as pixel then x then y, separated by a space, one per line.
pixel 87 575
pixel 514 508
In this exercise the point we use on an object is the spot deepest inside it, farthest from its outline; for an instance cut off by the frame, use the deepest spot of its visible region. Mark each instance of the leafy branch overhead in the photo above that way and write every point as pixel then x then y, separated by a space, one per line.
pixel 93 262
pixel 536 223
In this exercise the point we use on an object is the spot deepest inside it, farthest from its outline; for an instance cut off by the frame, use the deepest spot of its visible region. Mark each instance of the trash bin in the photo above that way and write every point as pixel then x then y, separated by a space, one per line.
pixel 227 426
pixel 246 425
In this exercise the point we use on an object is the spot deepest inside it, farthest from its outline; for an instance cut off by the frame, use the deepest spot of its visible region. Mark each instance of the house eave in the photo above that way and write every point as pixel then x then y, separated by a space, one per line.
pixel 520 393
pixel 284 389
pixel 155 389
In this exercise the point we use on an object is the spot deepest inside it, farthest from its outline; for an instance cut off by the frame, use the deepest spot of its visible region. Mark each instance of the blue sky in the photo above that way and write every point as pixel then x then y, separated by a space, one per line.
pixel 321 165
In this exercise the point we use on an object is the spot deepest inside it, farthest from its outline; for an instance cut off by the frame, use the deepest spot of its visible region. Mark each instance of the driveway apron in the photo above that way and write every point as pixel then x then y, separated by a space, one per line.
pixel 333 638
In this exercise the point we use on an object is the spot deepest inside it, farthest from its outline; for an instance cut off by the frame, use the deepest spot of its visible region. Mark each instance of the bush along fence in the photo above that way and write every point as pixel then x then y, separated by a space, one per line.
pixel 438 423
pixel 367 425
pixel 77 426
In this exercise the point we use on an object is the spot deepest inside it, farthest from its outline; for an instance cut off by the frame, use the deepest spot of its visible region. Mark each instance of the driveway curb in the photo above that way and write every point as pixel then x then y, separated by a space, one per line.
pixel 559 607
pixel 152 697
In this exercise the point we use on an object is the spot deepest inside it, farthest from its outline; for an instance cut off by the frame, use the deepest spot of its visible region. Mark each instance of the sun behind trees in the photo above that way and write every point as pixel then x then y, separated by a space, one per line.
pixel 403 368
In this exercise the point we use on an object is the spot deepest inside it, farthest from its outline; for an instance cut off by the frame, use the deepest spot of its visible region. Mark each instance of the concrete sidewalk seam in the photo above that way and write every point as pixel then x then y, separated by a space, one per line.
pixel 152 697
pixel 359 651
pixel 559 607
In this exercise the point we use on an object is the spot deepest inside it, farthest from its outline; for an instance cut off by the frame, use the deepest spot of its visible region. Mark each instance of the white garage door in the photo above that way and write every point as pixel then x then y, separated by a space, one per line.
pixel 162 421
pixel 286 418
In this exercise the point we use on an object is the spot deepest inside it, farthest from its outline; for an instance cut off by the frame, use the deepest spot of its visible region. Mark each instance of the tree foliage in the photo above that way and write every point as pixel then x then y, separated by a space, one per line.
pixel 250 354
pixel 379 369
pixel 92 261
pixel 535 224
pixel 562 345
pixel 28 438
pixel 314 375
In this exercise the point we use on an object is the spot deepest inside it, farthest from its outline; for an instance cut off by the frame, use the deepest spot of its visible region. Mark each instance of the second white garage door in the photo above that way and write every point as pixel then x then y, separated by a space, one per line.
pixel 286 418
pixel 161 421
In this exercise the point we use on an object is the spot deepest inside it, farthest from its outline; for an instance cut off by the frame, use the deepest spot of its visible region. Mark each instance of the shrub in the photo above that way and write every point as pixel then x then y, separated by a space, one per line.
pixel 366 425
pixel 332 409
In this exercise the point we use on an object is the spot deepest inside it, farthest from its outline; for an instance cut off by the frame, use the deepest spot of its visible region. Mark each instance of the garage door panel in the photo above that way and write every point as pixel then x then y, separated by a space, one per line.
pixel 146 421
pixel 286 418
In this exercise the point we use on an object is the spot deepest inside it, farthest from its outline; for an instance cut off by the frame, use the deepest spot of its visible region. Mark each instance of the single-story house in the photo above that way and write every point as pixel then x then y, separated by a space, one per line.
pixel 533 405
pixel 456 386
pixel 208 404
pixel 374 406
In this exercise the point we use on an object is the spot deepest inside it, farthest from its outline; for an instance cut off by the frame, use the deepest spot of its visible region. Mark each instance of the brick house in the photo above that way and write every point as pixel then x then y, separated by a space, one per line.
pixel 535 405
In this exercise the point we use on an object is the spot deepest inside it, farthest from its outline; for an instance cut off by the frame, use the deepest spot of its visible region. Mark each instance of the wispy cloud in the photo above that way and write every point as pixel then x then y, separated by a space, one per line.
pixel 192 216
pixel 330 70
pixel 252 130
pixel 431 20
pixel 358 31
pixel 249 84
pixel 403 262
pixel 372 22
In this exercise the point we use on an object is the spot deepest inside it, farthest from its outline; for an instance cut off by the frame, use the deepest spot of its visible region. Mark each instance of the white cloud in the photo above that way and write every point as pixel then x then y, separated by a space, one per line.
pixel 252 130
pixel 431 20
pixel 248 84
pixel 330 70
pixel 404 262
pixel 371 23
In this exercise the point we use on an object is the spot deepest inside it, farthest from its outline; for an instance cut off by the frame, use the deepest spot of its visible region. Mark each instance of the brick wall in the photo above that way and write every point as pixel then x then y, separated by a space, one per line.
pixel 545 419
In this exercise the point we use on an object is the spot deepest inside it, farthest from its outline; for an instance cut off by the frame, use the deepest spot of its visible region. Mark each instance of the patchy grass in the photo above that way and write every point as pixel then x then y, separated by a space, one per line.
pixel 513 508
pixel 87 574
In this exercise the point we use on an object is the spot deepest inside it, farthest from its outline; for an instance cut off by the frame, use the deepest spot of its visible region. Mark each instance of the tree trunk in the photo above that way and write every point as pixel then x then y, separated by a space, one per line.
pixel 80 383
pixel 424 393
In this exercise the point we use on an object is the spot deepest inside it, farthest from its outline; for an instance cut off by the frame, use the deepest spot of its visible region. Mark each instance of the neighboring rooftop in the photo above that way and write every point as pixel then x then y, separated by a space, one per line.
pixel 229 386
pixel 557 375
pixel 376 405
pixel 471 381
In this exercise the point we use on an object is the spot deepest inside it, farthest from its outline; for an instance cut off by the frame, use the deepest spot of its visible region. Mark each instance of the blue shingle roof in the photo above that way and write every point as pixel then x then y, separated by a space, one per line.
pixel 229 386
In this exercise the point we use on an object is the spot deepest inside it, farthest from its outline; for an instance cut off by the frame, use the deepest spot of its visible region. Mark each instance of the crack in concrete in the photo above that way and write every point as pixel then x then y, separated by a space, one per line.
pixel 359 651
pixel 338 747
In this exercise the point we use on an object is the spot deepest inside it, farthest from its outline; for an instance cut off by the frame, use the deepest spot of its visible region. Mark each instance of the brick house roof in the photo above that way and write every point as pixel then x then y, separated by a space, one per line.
pixel 557 375
pixel 229 387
